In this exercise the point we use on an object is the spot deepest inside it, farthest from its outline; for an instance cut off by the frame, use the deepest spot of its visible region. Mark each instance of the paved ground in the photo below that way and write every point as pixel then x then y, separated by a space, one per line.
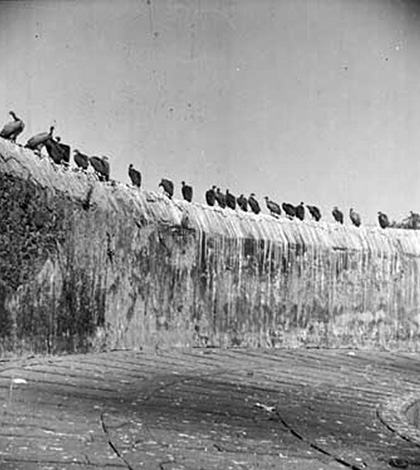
pixel 208 409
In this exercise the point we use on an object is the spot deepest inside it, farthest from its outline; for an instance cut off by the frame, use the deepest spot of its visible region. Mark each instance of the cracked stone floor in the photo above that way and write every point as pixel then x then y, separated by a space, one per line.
pixel 205 409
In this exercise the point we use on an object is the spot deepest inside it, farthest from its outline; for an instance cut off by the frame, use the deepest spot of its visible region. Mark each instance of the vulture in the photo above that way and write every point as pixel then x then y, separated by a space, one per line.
pixel 101 167
pixel 383 220
pixel 54 151
pixel 253 204
pixel 65 149
pixel 220 198
pixel 38 140
pixel 273 207
pixel 81 160
pixel 355 217
pixel 242 202
pixel 187 191
pixel 135 176
pixel 230 200
pixel 338 215
pixel 289 209
pixel 300 211
pixel 315 212
pixel 211 196
pixel 13 128
pixel 168 187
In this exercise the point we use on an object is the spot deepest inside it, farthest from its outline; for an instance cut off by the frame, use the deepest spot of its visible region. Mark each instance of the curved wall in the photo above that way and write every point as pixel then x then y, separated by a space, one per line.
pixel 88 265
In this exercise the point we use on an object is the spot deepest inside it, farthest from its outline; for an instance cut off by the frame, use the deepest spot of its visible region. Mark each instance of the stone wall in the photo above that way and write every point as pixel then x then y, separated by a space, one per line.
pixel 87 265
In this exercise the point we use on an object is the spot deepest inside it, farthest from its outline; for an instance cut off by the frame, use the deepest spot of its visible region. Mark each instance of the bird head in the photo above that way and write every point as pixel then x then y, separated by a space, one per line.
pixel 183 183
pixel 213 187
pixel 130 165
pixel 12 113
pixel 51 130
pixel 302 203
pixel 75 151
pixel 58 139
pixel 104 157
pixel 252 195
pixel 266 198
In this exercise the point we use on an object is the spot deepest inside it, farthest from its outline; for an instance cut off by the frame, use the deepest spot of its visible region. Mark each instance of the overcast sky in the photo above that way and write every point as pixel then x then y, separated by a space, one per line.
pixel 300 100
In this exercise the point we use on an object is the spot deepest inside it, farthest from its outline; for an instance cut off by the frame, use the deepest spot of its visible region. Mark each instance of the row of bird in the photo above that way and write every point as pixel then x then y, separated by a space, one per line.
pixel 60 154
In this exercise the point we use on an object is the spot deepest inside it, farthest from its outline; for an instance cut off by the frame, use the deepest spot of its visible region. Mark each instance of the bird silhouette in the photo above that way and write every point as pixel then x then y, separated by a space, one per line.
pixel 300 211
pixel 38 141
pixel 273 207
pixel 13 128
pixel 315 212
pixel 168 187
pixel 338 215
pixel 230 200
pixel 81 160
pixel 187 191
pixel 355 217
pixel 242 202
pixel 254 204
pixel 210 196
pixel 220 198
pixel 383 220
pixel 289 209
pixel 101 167
pixel 134 175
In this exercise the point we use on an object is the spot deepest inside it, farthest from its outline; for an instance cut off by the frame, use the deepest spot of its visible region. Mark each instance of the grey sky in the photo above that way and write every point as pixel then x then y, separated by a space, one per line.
pixel 301 100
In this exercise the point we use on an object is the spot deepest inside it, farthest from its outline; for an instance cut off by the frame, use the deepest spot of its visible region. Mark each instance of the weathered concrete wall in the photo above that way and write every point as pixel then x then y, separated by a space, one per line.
pixel 96 265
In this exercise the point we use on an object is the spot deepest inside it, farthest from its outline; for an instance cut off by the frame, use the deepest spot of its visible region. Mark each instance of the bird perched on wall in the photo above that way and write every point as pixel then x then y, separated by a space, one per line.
pixel 230 200
pixel 135 176
pixel 273 207
pixel 81 160
pixel 254 204
pixel 383 220
pixel 300 211
pixel 13 128
pixel 54 151
pixel 168 187
pixel 187 191
pixel 289 209
pixel 315 212
pixel 355 217
pixel 242 202
pixel 101 167
pixel 220 198
pixel 65 150
pixel 38 141
pixel 338 215
pixel 210 196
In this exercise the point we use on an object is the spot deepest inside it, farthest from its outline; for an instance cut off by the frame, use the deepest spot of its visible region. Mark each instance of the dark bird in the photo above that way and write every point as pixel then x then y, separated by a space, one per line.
pixel 38 140
pixel 211 196
pixel 383 220
pixel 65 150
pixel 338 215
pixel 13 128
pixel 273 207
pixel 300 211
pixel 355 217
pixel 54 151
pixel 220 198
pixel 230 200
pixel 253 204
pixel 242 202
pixel 289 209
pixel 315 212
pixel 187 191
pixel 135 176
pixel 81 160
pixel 101 167
pixel 168 187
